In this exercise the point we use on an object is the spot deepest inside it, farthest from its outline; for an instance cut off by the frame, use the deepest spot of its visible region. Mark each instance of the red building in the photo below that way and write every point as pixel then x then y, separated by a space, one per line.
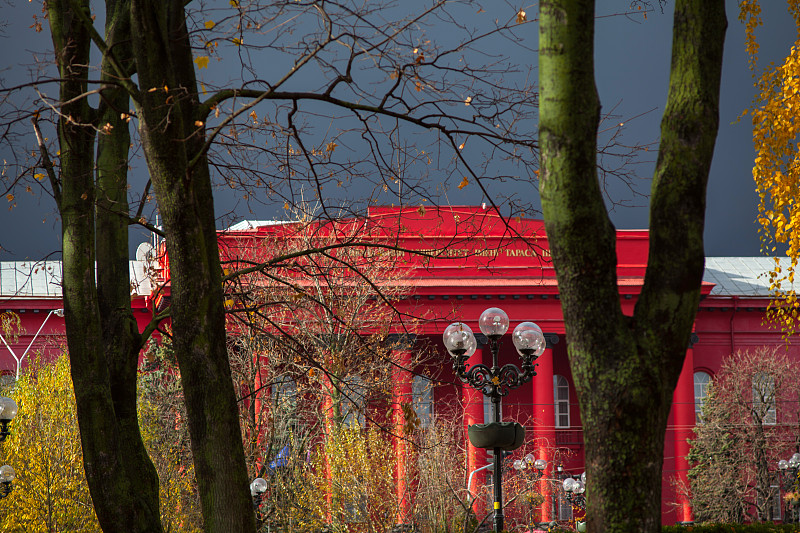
pixel 456 262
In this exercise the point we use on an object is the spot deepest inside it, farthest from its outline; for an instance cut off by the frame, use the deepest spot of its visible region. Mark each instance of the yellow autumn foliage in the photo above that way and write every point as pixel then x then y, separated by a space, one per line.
pixel 349 483
pixel 50 493
pixel 162 421
pixel 776 132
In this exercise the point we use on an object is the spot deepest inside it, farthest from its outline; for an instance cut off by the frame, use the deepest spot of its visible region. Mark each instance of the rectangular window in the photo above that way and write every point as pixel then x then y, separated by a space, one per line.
pixel 487 410
pixel 777 508
pixel 764 399
pixel 564 507
pixel 422 389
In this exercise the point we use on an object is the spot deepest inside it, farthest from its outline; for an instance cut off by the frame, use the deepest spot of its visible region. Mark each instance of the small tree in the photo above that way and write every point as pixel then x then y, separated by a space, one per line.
pixel 162 418
pixel 748 423
pixel 50 493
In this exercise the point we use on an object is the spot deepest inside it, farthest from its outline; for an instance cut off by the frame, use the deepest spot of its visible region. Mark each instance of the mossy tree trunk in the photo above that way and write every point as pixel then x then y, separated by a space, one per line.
pixel 102 336
pixel 173 138
pixel 626 367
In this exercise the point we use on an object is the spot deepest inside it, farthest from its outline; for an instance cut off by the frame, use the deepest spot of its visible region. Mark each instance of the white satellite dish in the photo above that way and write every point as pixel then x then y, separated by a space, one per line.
pixel 144 252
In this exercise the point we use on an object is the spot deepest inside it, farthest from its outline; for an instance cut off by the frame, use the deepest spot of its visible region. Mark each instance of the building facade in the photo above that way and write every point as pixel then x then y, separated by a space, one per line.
pixel 452 263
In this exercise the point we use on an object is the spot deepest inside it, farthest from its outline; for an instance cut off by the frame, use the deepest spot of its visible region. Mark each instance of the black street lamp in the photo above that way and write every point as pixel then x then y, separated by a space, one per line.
pixel 575 489
pixel 497 381
pixel 6 477
pixel 257 489
pixel 791 469
pixel 8 410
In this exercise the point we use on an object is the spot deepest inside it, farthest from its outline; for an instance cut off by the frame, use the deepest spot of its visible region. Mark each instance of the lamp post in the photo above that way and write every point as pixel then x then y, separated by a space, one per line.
pixel 575 489
pixel 257 489
pixel 495 381
pixel 58 312
pixel 8 410
pixel 536 468
pixel 6 477
pixel 789 468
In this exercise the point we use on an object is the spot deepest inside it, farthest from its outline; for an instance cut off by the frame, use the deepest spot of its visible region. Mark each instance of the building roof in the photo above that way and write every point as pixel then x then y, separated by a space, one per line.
pixel 252 224
pixel 30 279
pixel 42 279
pixel 731 276
pixel 741 276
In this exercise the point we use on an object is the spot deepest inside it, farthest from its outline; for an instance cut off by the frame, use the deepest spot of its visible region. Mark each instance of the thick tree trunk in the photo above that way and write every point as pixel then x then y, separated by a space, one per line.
pixel 121 337
pixel 172 137
pixel 626 368
pixel 121 478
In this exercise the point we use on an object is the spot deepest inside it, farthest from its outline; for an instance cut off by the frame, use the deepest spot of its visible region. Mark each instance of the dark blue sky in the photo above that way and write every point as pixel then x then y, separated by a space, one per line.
pixel 632 58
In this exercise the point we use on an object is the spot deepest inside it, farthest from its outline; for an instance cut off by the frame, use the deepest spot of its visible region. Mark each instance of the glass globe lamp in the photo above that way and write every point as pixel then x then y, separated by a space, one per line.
pixel 493 322
pixel 6 474
pixel 529 339
pixel 458 336
pixel 258 486
pixel 794 461
pixel 9 409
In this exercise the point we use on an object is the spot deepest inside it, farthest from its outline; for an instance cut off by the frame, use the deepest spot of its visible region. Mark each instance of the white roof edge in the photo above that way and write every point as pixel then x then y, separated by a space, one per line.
pixel 245 225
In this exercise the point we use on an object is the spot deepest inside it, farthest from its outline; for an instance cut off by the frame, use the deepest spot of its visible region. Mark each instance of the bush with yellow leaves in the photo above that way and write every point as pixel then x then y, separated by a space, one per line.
pixel 50 493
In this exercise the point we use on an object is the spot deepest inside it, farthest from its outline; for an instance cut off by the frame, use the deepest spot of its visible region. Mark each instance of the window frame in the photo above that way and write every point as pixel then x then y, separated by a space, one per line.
pixel 701 395
pixel 561 407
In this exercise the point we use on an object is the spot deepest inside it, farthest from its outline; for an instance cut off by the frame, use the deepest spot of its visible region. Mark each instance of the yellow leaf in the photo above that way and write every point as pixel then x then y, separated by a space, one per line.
pixel 331 146
pixel 521 17
pixel 39 176
pixel 198 123
pixel 10 197
pixel 234 3
pixel 210 24
pixel 468 101
pixel 286 205
pixel 236 41
pixel 202 61
pixel 421 210
pixel 203 88
pixel 463 183
pixel 461 146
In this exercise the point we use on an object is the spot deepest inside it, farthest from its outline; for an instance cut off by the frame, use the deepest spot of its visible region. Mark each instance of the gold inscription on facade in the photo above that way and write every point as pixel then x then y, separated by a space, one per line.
pixel 465 253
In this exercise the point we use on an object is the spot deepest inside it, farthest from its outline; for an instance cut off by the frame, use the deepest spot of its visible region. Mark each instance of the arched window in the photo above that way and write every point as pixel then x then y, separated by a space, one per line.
pixel 701 382
pixel 284 395
pixel 561 401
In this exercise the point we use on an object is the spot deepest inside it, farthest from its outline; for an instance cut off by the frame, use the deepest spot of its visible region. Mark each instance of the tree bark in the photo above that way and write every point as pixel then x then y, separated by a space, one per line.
pixel 172 136
pixel 626 368
pixel 103 352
